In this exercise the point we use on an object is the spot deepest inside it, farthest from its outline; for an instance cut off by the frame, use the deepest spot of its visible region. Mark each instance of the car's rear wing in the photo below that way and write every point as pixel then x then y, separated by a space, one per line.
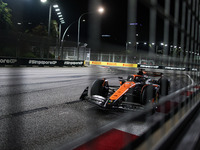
pixel 154 74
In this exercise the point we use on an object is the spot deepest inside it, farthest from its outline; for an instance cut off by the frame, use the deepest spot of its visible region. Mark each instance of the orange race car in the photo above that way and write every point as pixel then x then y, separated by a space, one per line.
pixel 134 92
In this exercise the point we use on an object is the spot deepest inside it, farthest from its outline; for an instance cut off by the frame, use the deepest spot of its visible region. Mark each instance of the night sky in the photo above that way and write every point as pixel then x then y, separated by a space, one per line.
pixel 113 21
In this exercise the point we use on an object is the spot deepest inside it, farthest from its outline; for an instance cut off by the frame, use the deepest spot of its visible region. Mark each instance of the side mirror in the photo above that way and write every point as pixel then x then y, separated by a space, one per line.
pixel 121 80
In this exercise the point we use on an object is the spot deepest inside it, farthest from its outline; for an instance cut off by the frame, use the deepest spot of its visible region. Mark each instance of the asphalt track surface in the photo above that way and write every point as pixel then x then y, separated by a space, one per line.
pixel 40 107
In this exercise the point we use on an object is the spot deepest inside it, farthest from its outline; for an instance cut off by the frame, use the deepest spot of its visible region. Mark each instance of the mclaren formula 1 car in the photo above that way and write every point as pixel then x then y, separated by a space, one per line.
pixel 131 93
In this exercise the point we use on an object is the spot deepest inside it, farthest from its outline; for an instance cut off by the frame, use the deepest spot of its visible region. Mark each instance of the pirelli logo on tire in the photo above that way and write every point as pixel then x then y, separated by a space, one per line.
pixel 113 64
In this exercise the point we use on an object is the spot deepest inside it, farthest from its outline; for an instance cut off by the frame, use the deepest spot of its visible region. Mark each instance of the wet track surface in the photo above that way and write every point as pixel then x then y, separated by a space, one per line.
pixel 40 107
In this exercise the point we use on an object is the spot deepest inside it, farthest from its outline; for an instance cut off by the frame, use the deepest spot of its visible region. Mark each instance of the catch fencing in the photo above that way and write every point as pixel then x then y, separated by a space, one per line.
pixel 175 123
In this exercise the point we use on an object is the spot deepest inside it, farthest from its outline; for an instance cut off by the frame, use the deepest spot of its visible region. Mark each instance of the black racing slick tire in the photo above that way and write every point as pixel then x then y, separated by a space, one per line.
pixel 99 87
pixel 164 86
pixel 147 95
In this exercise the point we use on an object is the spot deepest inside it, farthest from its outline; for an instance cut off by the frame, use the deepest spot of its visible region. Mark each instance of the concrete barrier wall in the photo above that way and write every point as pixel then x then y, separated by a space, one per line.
pixel 39 62
pixel 115 64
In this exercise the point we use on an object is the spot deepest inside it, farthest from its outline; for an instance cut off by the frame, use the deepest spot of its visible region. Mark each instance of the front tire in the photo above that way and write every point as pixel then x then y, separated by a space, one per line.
pixel 99 87
pixel 148 95
pixel 164 86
